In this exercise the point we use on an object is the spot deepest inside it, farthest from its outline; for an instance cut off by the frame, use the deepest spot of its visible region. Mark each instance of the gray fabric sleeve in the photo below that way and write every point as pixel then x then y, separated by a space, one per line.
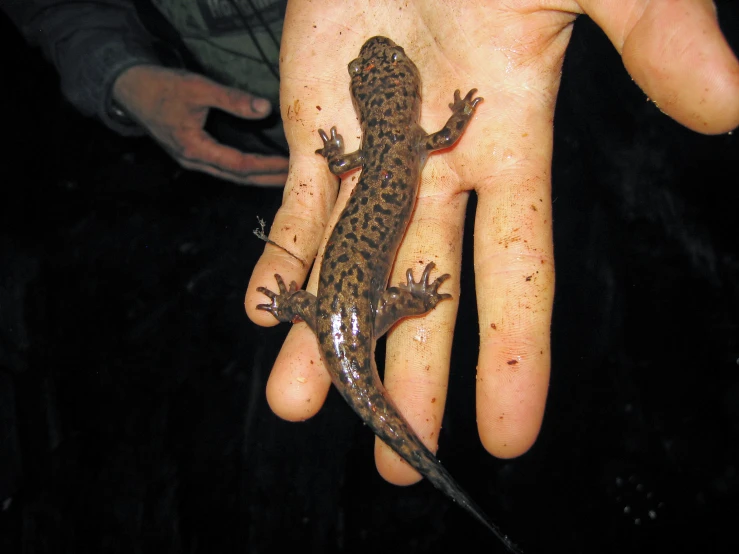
pixel 90 42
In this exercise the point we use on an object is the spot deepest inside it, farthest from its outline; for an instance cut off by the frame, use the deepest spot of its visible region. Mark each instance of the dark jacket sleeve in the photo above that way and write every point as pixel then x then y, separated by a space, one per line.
pixel 90 42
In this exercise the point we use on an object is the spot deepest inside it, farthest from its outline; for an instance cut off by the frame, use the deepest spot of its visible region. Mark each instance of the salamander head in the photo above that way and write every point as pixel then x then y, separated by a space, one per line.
pixel 384 76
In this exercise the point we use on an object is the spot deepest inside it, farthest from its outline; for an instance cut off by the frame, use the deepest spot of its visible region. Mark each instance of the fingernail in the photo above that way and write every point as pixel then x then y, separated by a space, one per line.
pixel 260 105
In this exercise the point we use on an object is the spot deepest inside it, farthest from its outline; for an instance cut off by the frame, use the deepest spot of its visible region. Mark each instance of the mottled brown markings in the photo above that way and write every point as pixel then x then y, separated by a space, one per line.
pixel 389 198
pixel 367 240
pixel 382 78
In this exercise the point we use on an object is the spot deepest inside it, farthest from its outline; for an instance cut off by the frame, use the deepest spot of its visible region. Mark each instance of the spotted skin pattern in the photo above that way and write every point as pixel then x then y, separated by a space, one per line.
pixel 353 308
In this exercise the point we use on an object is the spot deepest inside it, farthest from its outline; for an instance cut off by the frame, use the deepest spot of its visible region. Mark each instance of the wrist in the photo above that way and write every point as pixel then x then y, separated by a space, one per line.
pixel 123 91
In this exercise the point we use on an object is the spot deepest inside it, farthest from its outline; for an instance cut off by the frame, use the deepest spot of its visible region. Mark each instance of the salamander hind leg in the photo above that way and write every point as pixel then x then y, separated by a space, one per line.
pixel 408 299
pixel 462 111
pixel 290 305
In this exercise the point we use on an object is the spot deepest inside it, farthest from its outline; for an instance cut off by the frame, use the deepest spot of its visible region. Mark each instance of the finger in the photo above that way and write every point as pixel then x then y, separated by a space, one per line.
pixel 676 53
pixel 514 274
pixel 298 228
pixel 276 180
pixel 235 101
pixel 419 348
pixel 269 180
pixel 199 149
pixel 299 381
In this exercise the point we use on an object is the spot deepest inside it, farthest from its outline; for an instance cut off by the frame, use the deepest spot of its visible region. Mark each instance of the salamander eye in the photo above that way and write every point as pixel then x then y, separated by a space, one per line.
pixel 355 67
pixel 398 54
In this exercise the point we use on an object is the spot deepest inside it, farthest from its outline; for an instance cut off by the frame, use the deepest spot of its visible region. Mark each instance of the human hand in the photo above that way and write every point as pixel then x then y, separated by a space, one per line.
pixel 512 53
pixel 172 105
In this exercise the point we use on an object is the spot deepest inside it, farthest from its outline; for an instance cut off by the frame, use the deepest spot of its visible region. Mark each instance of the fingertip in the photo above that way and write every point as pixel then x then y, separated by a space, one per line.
pixel 238 102
pixel 298 384
pixel 510 408
pixel 703 98
pixel 506 443
pixel 261 106
pixel 718 100
pixel 391 467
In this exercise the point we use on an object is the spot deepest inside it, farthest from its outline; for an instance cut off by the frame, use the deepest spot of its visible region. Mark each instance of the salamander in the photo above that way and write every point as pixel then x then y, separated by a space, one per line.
pixel 352 307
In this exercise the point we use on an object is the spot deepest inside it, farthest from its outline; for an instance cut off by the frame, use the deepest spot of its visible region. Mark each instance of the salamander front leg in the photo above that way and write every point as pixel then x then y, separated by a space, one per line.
pixel 333 150
pixel 408 299
pixel 290 305
pixel 462 111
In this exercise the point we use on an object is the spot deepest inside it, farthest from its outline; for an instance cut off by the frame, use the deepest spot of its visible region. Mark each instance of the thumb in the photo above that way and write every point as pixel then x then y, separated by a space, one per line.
pixel 676 53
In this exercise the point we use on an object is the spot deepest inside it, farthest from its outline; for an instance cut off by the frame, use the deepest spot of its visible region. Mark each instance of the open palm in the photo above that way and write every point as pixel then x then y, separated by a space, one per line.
pixel 512 52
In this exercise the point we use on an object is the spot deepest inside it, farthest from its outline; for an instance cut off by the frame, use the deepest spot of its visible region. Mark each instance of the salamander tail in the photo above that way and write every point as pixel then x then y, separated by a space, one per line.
pixel 387 422
pixel 366 395
pixel 442 480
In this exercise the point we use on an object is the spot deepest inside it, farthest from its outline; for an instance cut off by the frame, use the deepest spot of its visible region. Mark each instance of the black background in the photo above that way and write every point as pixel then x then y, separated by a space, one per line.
pixel 132 383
